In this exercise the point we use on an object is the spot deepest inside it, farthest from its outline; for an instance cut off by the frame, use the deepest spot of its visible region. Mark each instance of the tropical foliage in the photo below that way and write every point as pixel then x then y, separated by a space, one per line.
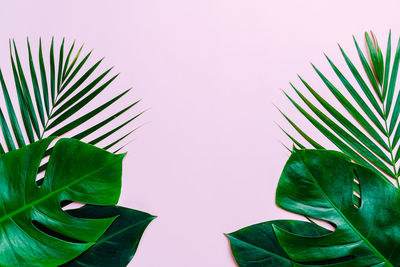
pixel 65 88
pixel 122 238
pixel 54 100
pixel 319 184
pixel 369 132
pixel 350 190
pixel 76 172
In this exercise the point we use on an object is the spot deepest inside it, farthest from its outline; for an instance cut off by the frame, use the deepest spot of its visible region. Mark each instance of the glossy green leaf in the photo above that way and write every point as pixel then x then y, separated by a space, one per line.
pixel 376 57
pixel 35 84
pixel 303 134
pixel 25 92
pixel 337 141
pixel 364 235
pixel 52 73
pixel 85 117
pixel 60 66
pixel 365 108
pixel 43 77
pixel 367 69
pixel 61 101
pixel 393 78
pixel 118 244
pixel 76 70
pixel 34 229
pixel 51 103
pixel 313 171
pixel 387 64
pixel 345 123
pixel 67 72
pixel 11 113
pixel 257 246
pixel 368 132
pixel 363 85
pixel 22 103
pixel 6 132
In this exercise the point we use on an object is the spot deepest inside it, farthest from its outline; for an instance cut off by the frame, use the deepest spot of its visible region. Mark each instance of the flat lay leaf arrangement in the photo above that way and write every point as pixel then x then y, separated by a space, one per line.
pixel 39 178
pixel 374 108
pixel 350 190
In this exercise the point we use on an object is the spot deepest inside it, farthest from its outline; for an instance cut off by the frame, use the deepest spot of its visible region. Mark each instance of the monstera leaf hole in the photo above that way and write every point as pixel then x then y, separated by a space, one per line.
pixel 55 234
pixel 69 205
pixel 59 92
pixel 356 191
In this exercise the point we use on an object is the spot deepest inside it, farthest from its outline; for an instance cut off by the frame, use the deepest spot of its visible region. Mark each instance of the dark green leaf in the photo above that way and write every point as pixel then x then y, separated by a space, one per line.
pixel 67 61
pixel 60 65
pixel 76 70
pixel 302 133
pixel 387 65
pixel 86 117
pixel 375 56
pixel 82 93
pixel 335 140
pixel 97 126
pixel 52 73
pixel 369 128
pixel 73 63
pixel 363 86
pixel 35 84
pixel 257 246
pixel 45 89
pixel 78 83
pixel 40 232
pixel 11 114
pixel 25 92
pixel 368 70
pixel 22 105
pixel 104 136
pixel 6 132
pixel 393 78
pixel 362 236
pixel 118 244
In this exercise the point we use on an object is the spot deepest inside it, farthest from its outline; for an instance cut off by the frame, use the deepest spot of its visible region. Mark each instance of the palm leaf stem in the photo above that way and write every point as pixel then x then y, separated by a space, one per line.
pixel 391 150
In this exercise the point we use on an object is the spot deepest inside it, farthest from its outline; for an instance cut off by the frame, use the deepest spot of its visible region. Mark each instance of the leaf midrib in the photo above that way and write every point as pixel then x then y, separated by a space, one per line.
pixel 372 247
pixel 39 200
pixel 262 249
pixel 123 230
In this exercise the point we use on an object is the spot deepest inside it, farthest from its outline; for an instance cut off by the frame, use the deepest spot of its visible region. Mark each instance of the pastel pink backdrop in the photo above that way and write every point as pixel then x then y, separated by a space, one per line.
pixel 208 157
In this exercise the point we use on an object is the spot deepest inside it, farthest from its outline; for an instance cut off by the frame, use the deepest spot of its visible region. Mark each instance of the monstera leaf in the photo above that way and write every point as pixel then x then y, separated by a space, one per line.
pixel 256 245
pixel 320 184
pixel 35 231
pixel 368 128
pixel 52 99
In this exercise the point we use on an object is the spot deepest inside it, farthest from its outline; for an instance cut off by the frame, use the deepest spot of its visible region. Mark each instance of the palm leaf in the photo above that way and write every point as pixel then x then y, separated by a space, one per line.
pixel 369 132
pixel 54 105
pixel 46 105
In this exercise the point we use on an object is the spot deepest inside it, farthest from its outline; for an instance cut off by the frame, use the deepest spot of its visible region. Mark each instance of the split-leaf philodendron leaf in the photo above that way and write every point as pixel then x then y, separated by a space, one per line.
pixel 319 184
pixel 49 97
pixel 35 231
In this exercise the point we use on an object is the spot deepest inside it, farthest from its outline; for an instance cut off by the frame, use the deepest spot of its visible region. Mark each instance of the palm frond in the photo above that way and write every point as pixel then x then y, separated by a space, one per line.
pixel 51 103
pixel 369 133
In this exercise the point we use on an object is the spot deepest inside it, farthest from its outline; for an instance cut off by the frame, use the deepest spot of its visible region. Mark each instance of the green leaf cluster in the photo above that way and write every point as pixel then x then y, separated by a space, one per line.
pixel 318 184
pixel 369 130
pixel 349 190
pixel 51 101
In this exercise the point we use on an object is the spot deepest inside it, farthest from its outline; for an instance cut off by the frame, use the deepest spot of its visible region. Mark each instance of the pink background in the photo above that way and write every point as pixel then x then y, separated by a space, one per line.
pixel 209 156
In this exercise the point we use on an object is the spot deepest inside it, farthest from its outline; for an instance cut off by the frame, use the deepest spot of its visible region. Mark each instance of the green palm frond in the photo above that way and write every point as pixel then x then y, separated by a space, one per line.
pixel 50 95
pixel 369 133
